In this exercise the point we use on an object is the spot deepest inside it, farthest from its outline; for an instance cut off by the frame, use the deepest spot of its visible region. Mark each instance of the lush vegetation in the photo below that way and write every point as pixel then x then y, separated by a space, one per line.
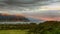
pixel 13 31
pixel 48 27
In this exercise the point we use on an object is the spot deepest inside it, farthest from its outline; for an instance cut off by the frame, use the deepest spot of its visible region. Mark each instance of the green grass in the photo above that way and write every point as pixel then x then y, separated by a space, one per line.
pixel 13 31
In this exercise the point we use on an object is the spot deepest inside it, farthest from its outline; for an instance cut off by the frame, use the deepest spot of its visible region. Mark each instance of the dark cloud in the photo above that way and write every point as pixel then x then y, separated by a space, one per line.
pixel 31 8
pixel 25 2
pixel 22 4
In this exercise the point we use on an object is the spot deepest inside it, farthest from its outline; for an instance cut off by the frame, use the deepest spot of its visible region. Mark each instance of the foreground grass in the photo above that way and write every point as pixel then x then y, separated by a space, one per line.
pixel 13 31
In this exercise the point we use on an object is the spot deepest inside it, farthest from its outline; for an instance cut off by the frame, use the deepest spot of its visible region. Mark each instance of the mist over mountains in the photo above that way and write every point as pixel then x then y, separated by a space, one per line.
pixel 20 18
pixel 35 20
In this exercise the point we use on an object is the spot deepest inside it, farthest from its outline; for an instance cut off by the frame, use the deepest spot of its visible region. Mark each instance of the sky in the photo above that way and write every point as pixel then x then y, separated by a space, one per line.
pixel 46 10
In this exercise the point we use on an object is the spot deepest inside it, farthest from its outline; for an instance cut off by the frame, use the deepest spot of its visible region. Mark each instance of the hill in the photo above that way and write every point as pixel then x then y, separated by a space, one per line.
pixel 6 17
pixel 48 27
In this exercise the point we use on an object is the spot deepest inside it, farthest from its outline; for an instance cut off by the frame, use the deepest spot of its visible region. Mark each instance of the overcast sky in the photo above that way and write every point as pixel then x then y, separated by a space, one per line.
pixel 39 9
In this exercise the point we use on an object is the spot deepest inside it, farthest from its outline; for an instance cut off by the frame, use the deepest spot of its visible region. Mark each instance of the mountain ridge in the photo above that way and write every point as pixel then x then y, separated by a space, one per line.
pixel 7 17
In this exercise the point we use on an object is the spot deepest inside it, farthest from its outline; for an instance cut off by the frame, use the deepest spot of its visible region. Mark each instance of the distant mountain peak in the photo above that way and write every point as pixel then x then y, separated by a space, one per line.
pixel 8 17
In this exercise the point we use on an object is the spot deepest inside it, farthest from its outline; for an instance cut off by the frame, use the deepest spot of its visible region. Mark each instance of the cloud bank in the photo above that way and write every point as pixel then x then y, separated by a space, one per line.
pixel 38 9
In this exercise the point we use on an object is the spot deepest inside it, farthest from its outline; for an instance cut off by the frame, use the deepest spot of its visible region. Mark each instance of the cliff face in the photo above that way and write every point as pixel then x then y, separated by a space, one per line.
pixel 13 18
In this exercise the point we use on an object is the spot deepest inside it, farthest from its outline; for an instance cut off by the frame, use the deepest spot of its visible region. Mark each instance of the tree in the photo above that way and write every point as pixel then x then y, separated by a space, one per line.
pixel 48 27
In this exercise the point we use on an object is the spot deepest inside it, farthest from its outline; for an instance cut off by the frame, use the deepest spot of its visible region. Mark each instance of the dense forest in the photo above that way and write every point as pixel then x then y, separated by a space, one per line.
pixel 48 27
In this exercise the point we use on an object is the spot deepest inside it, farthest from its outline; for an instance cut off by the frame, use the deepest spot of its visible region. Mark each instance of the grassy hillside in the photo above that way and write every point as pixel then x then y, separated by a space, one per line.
pixel 13 31
pixel 48 27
